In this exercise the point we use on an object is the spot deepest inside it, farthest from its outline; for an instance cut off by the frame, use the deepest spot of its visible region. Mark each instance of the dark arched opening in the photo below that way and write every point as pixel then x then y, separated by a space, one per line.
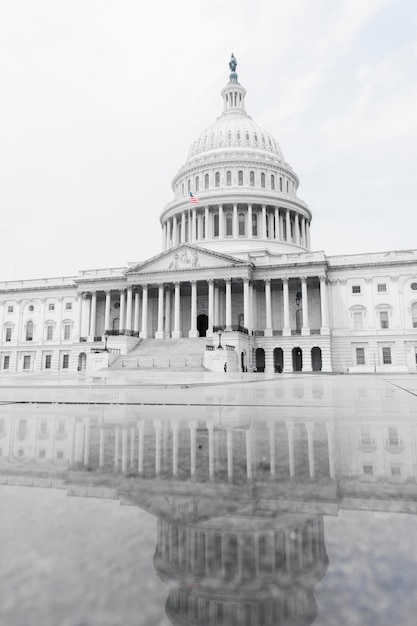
pixel 82 361
pixel 260 360
pixel 243 361
pixel 202 325
pixel 278 360
pixel 297 360
pixel 316 362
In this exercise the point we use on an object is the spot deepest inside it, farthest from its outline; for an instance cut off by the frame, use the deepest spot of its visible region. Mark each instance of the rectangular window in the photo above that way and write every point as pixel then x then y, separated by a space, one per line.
pixel 383 318
pixel 67 331
pixel 43 430
pixel 10 309
pixel 26 362
pixel 395 470
pixel 49 332
pixel 368 470
pixel 356 288
pixel 51 307
pixel 386 356
pixel 48 359
pixel 393 439
pixel 382 288
pixel 358 320
pixel 59 454
pixel 65 361
pixel 9 333
pixel 360 356
pixel 42 454
pixel 6 362
pixel 68 306
pixel 366 435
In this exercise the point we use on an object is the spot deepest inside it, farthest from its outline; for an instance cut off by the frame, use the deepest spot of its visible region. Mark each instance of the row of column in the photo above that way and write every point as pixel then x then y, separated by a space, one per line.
pixel 198 225
pixel 127 455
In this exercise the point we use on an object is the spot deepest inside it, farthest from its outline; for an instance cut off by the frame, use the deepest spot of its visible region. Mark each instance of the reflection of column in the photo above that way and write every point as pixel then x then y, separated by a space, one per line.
pixel 228 282
pixel 268 311
pixel 160 330
pixel 129 309
pixel 175 449
pixel 304 299
pixel 141 446
pixel 310 443
pixel 101 448
pixel 211 450
pixel 116 446
pixel 87 429
pixel 230 454
pixel 193 446
pixel 144 332
pixel 285 294
pixel 124 450
pixel 158 428
pixel 249 454
pixel 330 445
pixel 107 312
pixel 271 430
pixel 193 330
pixel 176 334
pixel 132 446
pixel 291 450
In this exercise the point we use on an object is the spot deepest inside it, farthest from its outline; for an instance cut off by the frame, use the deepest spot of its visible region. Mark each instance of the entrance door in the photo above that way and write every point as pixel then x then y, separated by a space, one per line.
pixel 82 361
pixel 243 361
pixel 316 359
pixel 297 360
pixel 278 360
pixel 202 325
pixel 260 360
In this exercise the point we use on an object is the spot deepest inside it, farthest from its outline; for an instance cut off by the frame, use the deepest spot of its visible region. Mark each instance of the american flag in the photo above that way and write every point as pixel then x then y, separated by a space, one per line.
pixel 194 199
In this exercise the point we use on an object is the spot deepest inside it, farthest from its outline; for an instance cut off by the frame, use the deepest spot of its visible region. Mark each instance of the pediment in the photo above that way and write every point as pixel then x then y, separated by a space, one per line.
pixel 185 257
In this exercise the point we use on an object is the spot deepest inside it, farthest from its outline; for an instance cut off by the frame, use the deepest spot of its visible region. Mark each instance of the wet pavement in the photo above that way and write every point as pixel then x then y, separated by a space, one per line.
pixel 208 499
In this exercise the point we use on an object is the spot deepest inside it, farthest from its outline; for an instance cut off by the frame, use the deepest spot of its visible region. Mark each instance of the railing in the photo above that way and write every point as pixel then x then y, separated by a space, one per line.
pixel 109 350
pixel 231 348
pixel 295 332
pixel 233 328
pixel 122 333
pixel 259 333
pixel 83 339
pixel 210 348
pixel 315 331
pixel 98 339
pixel 277 333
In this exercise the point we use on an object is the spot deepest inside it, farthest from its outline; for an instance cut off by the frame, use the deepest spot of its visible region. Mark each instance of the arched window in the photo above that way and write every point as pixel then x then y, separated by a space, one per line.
pixel 242 224
pixel 262 179
pixel 229 224
pixel 229 178
pixel 280 184
pixel 216 225
pixel 206 181
pixel 182 188
pixel 197 183
pixel 267 224
pixel 203 227
pixel 29 331
pixel 414 314
pixel 189 184
pixel 254 224
pixel 287 186
pixel 252 179
pixel 272 181
pixel 240 178
pixel 217 179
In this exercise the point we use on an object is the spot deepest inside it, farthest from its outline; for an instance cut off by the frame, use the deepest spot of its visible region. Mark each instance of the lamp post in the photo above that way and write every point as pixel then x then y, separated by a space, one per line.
pixel 220 347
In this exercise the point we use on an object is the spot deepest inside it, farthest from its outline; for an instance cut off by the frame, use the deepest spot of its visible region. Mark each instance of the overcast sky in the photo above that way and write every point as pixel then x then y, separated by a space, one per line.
pixel 101 99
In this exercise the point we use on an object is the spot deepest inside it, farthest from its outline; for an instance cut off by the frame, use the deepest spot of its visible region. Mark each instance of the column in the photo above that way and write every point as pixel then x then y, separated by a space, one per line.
pixel 193 447
pixel 323 306
pixel 216 305
pixel 174 449
pixel 304 302
pixel 175 231
pixel 193 224
pixel 206 219
pixel 78 331
pixel 291 449
pixel 144 332
pixel 263 225
pixel 141 446
pixel 310 444
pixel 168 312
pixel 230 454
pixel 107 311
pixel 160 330
pixel 249 454
pixel 268 329
pixel 235 222
pixel 288 225
pixel 209 332
pixel 125 433
pixel 176 333
pixel 285 293
pixel 122 310
pixel 277 225
pixel 308 236
pixel 85 315
pixel 304 223
pixel 246 303
pixel 183 227
pixel 137 312
pixel 193 332
pixel 132 446
pixel 221 222
pixel 296 229
pixel 250 235
pixel 129 309
pixel 228 282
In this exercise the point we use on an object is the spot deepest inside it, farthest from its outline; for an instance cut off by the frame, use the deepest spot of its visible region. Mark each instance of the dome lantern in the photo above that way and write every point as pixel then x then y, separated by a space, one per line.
pixel 233 94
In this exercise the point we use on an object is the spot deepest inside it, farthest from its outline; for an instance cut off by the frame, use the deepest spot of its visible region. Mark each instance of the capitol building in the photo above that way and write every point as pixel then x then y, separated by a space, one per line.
pixel 237 286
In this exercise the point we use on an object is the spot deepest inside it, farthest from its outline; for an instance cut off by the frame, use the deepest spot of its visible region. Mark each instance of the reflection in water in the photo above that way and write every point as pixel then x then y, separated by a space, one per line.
pixel 239 498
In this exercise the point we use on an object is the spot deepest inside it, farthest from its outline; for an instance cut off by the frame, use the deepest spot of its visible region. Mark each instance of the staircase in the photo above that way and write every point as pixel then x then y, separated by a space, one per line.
pixel 165 354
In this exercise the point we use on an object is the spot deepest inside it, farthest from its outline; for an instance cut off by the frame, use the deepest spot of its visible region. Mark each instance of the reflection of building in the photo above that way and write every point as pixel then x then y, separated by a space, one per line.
pixel 238 261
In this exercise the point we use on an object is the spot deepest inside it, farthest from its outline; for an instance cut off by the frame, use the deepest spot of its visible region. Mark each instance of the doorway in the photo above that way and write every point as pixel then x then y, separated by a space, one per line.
pixel 278 360
pixel 82 361
pixel 260 360
pixel 297 360
pixel 202 325
pixel 316 359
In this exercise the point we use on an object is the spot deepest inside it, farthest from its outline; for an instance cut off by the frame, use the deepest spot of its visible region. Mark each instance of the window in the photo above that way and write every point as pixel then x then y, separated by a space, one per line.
pixel 10 309
pixel 383 318
pixel 65 361
pixel 393 439
pixel 189 185
pixel 242 223
pixel 287 186
pixel 61 428
pixel 67 331
pixel 6 362
pixel 26 362
pixel 42 454
pixel 252 179
pixel 368 470
pixel 31 308
pixel 216 225
pixel 272 181
pixel 29 331
pixel 229 178
pixel 356 289
pixel 262 179
pixel 395 470
pixel 206 181
pixel 43 430
pixel 382 288
pixel 8 333
pixel 254 224
pixel 366 436
pixel 386 356
pixel 360 356
pixel 49 332
pixel 197 183
pixel 217 179
pixel 280 184
pixel 358 320
pixel 414 314
pixel 229 224
pixel 240 178
pixel 68 306
pixel 48 359
pixel 59 454
pixel 51 307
